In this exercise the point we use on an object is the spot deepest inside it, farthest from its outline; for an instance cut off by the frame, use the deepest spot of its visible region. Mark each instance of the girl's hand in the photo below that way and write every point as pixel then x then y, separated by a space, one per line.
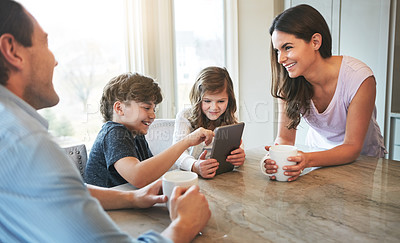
pixel 205 168
pixel 237 157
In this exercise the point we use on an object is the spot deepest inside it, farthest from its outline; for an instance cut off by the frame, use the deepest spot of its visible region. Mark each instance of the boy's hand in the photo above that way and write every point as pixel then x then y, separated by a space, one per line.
pixel 198 136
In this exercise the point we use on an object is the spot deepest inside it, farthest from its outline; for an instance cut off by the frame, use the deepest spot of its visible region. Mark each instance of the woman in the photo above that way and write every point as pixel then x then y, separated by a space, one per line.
pixel 334 94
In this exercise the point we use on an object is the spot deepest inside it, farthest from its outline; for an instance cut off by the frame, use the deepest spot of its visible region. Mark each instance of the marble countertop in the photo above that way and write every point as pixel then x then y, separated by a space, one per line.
pixel 357 202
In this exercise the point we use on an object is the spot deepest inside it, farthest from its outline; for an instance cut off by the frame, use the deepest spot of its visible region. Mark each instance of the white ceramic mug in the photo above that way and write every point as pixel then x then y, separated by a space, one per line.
pixel 279 153
pixel 171 179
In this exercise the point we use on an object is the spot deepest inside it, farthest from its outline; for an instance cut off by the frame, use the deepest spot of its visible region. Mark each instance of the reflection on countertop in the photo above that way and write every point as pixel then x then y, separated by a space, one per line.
pixel 357 202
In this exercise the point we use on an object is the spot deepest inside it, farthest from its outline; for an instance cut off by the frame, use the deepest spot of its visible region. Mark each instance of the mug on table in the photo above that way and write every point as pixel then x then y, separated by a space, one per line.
pixel 171 179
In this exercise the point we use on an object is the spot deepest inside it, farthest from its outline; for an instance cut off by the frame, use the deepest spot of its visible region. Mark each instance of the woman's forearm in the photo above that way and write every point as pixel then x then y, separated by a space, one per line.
pixel 339 155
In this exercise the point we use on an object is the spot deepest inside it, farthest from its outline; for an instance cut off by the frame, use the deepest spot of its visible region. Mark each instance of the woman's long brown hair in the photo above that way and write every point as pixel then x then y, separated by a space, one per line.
pixel 302 21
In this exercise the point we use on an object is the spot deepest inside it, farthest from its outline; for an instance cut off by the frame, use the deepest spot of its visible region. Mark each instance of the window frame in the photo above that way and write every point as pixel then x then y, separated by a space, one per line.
pixel 151 46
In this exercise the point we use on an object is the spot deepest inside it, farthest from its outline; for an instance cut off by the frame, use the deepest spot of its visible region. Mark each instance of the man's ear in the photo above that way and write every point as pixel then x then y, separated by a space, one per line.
pixel 316 40
pixel 118 108
pixel 9 48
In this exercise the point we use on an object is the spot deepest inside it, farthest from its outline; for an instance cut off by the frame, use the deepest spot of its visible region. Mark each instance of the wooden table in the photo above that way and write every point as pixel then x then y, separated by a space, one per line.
pixel 358 202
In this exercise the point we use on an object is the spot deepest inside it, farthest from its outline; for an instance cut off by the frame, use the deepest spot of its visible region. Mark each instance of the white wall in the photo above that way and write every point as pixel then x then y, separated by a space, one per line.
pixel 366 38
pixel 256 105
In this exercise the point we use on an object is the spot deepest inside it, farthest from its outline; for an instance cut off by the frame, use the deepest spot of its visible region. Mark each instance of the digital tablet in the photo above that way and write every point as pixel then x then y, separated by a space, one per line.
pixel 226 139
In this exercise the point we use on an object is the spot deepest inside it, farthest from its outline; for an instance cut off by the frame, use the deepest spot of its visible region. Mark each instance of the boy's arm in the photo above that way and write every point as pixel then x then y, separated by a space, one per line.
pixel 142 173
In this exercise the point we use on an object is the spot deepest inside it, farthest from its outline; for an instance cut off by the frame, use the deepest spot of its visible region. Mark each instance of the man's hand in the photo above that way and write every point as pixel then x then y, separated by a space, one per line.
pixel 189 213
pixel 149 195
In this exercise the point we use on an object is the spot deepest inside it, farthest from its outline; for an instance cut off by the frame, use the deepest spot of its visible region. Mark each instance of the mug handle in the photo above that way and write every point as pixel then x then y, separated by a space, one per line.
pixel 262 168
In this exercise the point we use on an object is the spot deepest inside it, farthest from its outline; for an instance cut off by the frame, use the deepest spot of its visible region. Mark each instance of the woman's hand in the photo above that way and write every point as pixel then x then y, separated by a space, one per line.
pixel 206 168
pixel 270 166
pixel 237 157
pixel 294 170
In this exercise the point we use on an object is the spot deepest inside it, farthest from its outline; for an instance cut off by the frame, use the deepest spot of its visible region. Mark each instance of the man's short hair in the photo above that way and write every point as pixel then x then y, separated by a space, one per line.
pixel 15 21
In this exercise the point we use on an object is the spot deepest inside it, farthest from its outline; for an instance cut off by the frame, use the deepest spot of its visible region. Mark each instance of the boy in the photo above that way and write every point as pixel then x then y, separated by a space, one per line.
pixel 120 153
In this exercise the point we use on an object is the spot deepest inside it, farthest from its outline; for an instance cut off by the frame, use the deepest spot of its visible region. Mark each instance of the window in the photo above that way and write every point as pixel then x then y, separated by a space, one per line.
pixel 88 41
pixel 95 40
pixel 199 42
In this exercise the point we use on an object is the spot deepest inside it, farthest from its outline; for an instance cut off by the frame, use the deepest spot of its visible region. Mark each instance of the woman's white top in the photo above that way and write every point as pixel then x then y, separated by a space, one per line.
pixel 327 129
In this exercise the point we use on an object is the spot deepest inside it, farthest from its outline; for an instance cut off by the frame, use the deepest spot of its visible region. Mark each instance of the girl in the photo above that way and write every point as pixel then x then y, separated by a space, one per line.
pixel 213 105
pixel 334 94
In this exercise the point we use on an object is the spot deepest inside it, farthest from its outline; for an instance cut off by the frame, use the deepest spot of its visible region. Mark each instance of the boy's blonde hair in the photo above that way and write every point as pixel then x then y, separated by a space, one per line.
pixel 127 87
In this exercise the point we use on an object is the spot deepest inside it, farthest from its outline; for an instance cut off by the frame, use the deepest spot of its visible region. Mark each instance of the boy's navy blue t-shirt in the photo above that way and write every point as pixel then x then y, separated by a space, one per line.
pixel 113 143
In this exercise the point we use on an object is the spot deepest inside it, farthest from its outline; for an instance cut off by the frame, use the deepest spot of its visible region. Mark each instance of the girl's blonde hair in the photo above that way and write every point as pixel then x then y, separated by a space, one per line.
pixel 212 80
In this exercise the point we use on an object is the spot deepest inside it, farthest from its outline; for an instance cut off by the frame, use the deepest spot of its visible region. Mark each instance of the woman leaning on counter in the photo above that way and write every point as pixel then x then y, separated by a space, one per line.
pixel 334 94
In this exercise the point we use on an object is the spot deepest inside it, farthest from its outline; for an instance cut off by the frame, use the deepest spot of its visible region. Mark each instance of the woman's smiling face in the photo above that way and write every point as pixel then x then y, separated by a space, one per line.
pixel 296 55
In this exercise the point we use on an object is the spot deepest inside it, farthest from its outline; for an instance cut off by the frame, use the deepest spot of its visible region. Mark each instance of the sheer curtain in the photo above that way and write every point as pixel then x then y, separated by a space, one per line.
pixel 150 46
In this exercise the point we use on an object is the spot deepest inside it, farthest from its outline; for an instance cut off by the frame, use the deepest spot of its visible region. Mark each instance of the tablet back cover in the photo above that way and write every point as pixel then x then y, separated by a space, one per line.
pixel 227 138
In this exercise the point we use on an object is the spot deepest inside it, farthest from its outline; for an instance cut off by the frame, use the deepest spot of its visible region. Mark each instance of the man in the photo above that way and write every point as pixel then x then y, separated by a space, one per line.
pixel 42 195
